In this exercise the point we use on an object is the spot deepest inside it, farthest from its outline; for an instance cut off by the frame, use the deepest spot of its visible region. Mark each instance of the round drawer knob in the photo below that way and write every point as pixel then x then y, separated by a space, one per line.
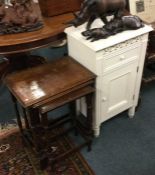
pixel 104 99
pixel 122 57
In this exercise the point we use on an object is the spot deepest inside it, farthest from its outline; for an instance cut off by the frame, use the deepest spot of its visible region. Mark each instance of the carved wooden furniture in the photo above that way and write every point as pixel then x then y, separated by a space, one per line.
pixel 145 10
pixel 118 63
pixel 114 27
pixel 17 47
pixel 21 16
pixel 93 9
pixel 47 87
pixel 149 73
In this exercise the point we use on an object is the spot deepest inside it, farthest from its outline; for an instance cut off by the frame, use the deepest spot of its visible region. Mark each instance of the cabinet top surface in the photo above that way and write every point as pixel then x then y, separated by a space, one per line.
pixel 105 43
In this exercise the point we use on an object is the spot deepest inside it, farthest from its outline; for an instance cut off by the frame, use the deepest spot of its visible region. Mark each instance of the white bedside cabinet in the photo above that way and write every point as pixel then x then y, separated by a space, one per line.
pixel 118 63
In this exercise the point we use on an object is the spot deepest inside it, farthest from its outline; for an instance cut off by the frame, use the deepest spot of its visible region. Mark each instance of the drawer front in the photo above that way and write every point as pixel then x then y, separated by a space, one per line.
pixel 118 60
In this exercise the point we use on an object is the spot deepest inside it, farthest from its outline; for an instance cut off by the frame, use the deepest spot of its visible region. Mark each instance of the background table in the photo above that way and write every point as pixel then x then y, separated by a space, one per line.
pixel 16 47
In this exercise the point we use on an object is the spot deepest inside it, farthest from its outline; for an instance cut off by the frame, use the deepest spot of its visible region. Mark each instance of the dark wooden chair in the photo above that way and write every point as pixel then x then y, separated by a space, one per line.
pixel 149 71
pixel 42 89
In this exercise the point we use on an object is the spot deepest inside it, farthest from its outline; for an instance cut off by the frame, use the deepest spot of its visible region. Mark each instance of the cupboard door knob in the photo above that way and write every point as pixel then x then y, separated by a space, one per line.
pixel 104 99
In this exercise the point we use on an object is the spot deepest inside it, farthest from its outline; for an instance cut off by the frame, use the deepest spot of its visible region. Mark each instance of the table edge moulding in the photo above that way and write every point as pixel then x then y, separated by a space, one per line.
pixel 117 61
pixel 27 41
pixel 16 48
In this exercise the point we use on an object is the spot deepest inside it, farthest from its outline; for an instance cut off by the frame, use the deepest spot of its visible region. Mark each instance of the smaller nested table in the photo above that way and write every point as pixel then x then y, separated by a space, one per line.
pixel 47 87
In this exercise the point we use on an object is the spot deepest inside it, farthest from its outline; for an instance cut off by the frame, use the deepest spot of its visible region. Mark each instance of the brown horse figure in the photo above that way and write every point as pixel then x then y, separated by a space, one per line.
pixel 2 9
pixel 92 9
pixel 20 14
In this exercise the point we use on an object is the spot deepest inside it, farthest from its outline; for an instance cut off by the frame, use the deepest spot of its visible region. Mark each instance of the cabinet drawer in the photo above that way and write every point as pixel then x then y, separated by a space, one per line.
pixel 120 59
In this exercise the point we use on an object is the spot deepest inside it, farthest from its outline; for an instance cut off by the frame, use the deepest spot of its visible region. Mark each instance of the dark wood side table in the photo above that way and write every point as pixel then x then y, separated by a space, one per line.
pixel 16 47
pixel 44 88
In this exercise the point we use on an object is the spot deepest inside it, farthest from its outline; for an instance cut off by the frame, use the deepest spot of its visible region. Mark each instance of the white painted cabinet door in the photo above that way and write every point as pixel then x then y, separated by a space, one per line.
pixel 118 90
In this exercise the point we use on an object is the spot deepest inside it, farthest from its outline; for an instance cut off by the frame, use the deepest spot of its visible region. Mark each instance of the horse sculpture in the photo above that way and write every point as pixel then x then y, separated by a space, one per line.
pixel 92 9
pixel 19 16
pixel 113 27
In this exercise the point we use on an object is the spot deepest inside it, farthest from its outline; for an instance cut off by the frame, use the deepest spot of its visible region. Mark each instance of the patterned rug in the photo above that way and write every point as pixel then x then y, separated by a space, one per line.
pixel 17 160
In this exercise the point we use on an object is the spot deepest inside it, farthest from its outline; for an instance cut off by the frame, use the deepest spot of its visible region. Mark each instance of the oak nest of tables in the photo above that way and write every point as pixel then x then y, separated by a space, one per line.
pixel 44 88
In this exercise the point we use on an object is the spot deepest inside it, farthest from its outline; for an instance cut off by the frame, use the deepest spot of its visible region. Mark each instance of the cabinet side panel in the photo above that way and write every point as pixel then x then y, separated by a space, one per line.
pixel 141 67
pixel 82 54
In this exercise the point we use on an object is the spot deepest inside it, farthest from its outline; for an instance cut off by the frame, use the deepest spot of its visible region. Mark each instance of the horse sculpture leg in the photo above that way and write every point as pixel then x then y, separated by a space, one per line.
pixel 90 21
pixel 119 14
pixel 104 19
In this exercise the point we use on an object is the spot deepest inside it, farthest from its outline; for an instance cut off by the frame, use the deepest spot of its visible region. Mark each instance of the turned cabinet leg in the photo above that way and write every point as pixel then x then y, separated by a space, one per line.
pixel 17 113
pixel 131 112
pixel 96 130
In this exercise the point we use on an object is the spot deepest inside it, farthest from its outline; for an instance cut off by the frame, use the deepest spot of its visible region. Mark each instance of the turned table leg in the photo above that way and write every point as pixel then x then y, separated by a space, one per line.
pixel 73 115
pixel 89 102
pixel 17 113
pixel 27 126
pixel 34 125
pixel 37 135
